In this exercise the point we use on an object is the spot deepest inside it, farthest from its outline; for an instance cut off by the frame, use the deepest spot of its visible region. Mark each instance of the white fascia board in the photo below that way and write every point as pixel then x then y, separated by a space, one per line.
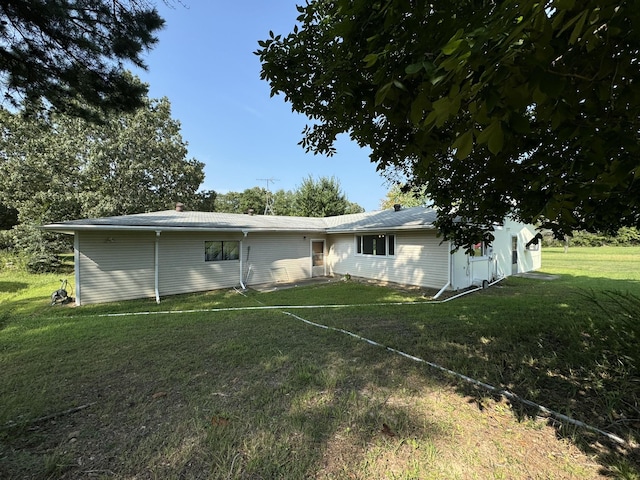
pixel 380 229
pixel 71 229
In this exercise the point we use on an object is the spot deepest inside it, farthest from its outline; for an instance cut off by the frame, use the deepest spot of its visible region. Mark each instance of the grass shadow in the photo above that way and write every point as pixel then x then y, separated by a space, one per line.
pixel 12 287
pixel 257 394
pixel 538 339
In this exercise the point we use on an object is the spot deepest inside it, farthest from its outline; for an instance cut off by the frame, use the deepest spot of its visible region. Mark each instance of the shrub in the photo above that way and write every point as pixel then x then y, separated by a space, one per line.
pixel 625 237
pixel 43 263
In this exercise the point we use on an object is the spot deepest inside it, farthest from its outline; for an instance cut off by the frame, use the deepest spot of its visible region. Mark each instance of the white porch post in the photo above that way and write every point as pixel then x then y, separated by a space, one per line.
pixel 157 267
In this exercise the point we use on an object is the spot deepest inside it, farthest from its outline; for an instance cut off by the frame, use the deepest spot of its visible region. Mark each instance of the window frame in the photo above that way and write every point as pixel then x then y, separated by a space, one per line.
pixel 371 246
pixel 227 253
pixel 485 251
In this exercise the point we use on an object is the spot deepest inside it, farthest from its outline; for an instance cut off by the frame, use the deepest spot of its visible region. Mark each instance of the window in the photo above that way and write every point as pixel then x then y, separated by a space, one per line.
pixel 221 250
pixel 479 250
pixel 379 245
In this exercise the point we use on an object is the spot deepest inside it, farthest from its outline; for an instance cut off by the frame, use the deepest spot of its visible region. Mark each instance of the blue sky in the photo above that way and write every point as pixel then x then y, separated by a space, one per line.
pixel 204 64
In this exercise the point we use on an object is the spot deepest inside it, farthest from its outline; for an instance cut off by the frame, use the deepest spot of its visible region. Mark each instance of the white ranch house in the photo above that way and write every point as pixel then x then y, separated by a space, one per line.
pixel 156 254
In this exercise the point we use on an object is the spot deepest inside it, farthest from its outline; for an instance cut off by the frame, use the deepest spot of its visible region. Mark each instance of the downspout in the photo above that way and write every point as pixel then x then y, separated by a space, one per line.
pixel 245 233
pixel 448 273
pixel 157 267
pixel 76 263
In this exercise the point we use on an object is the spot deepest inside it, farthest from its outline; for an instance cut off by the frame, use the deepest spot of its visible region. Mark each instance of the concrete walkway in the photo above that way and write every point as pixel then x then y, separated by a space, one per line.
pixel 275 286
pixel 537 276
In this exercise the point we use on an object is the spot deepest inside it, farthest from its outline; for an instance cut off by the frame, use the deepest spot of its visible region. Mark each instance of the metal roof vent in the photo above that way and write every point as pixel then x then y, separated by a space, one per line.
pixel 179 207
pixel 397 207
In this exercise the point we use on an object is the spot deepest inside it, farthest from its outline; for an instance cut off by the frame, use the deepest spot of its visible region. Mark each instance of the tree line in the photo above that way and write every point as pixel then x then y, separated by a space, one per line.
pixel 528 109
pixel 314 197
pixel 56 167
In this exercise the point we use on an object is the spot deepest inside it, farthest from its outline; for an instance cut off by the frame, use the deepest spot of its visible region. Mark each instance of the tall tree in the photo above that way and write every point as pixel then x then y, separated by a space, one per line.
pixel 55 167
pixel 522 108
pixel 205 201
pixel 398 195
pixel 284 202
pixel 60 50
pixel 322 198
pixel 254 198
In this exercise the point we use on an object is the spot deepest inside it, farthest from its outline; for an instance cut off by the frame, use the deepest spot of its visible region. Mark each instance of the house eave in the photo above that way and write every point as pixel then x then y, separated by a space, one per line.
pixel 379 229
pixel 72 229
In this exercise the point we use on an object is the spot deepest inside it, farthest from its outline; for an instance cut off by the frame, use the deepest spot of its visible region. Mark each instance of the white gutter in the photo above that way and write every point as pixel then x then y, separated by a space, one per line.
pixel 70 229
pixel 245 233
pixel 157 267
pixel 378 229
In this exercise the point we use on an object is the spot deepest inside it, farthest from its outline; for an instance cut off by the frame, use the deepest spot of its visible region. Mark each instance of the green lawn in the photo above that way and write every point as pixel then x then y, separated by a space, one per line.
pixel 259 394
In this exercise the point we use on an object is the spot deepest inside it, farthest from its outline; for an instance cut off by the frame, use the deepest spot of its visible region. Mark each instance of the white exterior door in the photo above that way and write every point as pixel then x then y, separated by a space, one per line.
pixel 317 258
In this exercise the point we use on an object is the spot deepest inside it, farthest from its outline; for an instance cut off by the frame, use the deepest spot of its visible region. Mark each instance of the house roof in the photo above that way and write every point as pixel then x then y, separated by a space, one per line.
pixel 173 220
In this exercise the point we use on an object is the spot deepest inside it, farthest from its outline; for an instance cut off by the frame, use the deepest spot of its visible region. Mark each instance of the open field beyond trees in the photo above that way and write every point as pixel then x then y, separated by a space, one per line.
pixel 259 394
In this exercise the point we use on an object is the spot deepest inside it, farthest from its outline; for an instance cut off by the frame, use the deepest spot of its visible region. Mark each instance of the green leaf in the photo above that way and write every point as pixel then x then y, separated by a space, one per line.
pixel 414 68
pixel 442 105
pixel 496 139
pixel 577 30
pixel 382 93
pixel 400 85
pixel 464 145
pixel 493 136
pixel 485 134
pixel 451 47
pixel 564 4
pixel 418 107
pixel 370 60
pixel 440 113
pixel 438 79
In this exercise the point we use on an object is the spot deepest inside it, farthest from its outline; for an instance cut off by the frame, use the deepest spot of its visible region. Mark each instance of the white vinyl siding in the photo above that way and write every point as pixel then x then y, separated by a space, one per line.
pixel 276 257
pixel 120 266
pixel 420 259
pixel 183 268
pixel 116 266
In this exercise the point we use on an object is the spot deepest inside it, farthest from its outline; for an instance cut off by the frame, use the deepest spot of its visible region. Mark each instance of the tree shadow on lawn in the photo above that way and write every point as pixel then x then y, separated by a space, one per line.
pixel 244 395
pixel 574 351
pixel 551 343
pixel 12 287
pixel 259 399
pixel 255 394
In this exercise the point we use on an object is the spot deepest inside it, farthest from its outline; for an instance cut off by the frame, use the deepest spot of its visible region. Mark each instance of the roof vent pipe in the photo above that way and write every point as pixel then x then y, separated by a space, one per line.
pixel 251 211
pixel 397 207
pixel 179 207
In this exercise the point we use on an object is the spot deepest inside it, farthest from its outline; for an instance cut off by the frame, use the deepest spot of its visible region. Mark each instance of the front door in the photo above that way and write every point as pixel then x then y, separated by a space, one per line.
pixel 317 258
pixel 514 255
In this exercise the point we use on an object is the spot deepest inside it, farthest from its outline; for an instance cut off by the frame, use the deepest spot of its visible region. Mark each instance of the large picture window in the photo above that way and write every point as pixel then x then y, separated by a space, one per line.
pixel 379 245
pixel 220 251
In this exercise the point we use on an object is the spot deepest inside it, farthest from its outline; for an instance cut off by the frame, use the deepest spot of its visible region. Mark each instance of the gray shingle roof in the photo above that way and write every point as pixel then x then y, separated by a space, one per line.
pixel 409 218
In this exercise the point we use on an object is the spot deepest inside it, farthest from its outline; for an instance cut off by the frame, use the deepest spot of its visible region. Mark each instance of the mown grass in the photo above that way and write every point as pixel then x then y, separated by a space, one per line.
pixel 258 394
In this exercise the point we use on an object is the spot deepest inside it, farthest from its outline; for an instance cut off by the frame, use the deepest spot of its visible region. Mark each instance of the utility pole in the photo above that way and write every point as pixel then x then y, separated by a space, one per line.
pixel 268 208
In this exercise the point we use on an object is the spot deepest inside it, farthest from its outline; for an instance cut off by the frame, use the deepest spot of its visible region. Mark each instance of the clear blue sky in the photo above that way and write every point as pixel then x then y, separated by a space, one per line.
pixel 204 64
